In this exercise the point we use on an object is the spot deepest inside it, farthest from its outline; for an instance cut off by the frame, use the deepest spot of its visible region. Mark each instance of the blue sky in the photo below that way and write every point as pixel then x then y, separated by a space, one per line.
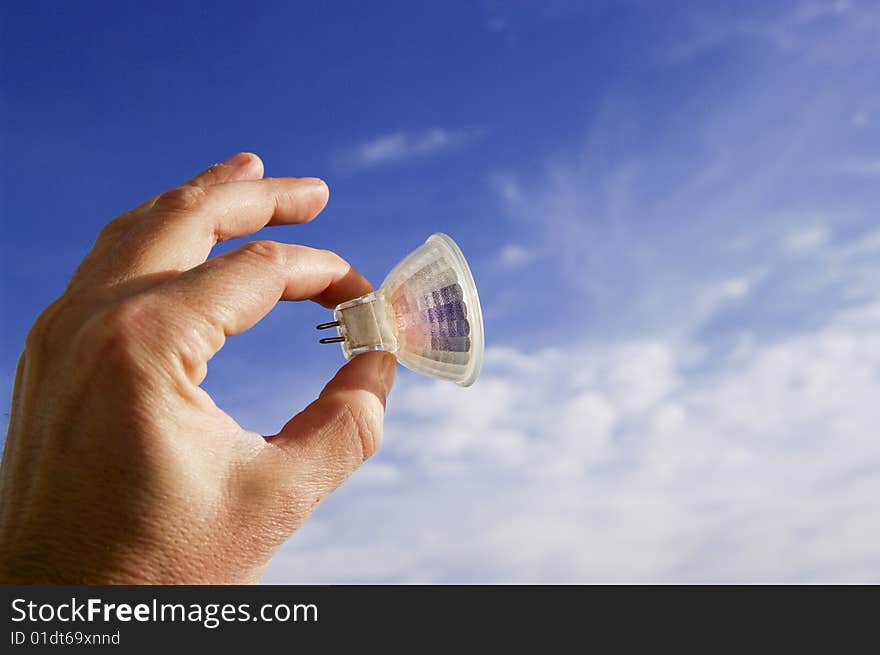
pixel 671 210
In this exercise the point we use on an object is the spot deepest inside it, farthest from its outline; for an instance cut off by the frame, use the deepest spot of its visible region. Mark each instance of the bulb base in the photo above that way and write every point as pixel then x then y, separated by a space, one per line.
pixel 365 325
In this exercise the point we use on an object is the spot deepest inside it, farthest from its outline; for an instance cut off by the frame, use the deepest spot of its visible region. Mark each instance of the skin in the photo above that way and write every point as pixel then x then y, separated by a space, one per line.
pixel 118 467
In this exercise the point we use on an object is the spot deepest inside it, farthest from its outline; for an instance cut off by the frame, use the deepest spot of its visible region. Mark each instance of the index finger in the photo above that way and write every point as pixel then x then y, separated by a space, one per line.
pixel 179 229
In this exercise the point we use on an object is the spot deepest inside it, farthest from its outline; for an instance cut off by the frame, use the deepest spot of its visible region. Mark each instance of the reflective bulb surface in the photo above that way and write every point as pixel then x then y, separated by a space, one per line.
pixel 427 312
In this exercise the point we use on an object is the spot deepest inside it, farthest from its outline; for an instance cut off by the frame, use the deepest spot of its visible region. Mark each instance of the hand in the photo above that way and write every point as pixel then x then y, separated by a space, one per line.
pixel 118 467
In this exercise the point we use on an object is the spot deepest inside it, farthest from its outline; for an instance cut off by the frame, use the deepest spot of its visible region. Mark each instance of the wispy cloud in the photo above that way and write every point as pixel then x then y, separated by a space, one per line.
pixel 406 145
pixel 514 256
pixel 805 239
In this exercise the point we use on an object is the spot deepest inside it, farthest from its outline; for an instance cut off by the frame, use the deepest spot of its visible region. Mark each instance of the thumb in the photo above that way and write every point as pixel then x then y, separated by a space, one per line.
pixel 326 442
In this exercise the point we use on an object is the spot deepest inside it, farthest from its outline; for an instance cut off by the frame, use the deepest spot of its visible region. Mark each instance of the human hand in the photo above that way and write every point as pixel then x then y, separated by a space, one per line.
pixel 118 467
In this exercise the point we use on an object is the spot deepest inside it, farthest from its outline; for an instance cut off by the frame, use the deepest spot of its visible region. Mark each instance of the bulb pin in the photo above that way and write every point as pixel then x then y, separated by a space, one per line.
pixel 332 340
pixel 327 326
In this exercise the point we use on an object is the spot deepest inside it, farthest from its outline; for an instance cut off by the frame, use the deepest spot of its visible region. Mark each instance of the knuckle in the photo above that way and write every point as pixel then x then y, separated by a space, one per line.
pixel 212 173
pixel 270 251
pixel 115 227
pixel 128 316
pixel 114 335
pixel 182 199
pixel 41 331
pixel 193 356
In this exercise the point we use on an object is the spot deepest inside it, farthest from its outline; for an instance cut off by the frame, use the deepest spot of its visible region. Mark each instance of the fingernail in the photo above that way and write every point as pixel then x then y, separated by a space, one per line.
pixel 239 159
pixel 388 370
pixel 316 182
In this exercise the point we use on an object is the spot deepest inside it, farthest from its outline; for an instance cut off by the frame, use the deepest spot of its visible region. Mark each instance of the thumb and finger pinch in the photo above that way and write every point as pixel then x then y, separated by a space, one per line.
pixel 229 294
pixel 321 446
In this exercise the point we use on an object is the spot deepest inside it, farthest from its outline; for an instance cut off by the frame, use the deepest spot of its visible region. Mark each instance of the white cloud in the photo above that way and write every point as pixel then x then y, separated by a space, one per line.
pixel 508 188
pixel 405 145
pixel 805 239
pixel 514 256
pixel 860 119
pixel 736 288
pixel 609 462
